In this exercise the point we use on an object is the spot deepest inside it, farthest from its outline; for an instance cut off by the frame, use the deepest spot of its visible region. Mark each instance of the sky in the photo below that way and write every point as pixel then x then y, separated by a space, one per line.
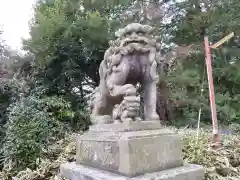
pixel 14 17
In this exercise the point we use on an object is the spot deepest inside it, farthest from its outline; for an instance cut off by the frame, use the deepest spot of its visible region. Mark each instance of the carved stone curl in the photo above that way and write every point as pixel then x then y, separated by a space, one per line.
pixel 130 60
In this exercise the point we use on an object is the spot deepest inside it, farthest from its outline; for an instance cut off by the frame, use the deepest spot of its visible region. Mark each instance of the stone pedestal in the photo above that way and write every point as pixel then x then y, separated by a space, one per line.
pixel 73 171
pixel 129 151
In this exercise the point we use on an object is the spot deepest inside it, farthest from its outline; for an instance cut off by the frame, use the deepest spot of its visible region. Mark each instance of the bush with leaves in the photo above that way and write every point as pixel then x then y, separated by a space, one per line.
pixel 26 134
pixel 10 91
pixel 5 99
pixel 33 123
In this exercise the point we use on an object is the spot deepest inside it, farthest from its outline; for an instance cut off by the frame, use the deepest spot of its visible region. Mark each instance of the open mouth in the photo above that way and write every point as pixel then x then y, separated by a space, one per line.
pixel 135 41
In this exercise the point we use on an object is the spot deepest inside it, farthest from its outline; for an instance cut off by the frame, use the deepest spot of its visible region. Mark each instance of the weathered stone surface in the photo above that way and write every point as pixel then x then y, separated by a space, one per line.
pixel 131 59
pixel 72 171
pixel 126 126
pixel 141 152
pixel 130 153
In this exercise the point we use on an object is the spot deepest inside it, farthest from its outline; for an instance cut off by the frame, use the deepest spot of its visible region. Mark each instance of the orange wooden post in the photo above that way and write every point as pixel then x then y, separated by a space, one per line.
pixel 216 135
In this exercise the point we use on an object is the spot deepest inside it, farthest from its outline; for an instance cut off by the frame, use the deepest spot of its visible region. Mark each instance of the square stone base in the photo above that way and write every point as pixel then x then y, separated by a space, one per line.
pixel 121 150
pixel 72 171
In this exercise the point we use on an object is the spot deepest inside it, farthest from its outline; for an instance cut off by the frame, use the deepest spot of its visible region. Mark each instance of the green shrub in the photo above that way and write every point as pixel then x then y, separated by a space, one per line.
pixel 81 119
pixel 26 134
pixel 33 123
pixel 8 94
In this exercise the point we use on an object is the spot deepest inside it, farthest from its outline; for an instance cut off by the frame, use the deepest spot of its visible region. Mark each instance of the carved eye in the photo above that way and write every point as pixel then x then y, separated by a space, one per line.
pixel 128 34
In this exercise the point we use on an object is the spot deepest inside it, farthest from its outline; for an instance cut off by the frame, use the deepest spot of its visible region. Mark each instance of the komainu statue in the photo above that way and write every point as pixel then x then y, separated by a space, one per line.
pixel 130 60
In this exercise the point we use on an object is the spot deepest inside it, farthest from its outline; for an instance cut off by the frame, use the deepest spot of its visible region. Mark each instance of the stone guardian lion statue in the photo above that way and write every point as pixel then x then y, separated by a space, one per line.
pixel 130 60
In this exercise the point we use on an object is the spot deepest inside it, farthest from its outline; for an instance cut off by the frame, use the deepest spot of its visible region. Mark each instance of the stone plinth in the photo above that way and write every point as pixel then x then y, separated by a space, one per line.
pixel 129 150
pixel 130 153
pixel 72 171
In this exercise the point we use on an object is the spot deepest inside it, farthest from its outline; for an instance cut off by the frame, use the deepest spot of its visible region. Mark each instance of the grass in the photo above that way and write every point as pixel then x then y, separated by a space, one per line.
pixel 221 164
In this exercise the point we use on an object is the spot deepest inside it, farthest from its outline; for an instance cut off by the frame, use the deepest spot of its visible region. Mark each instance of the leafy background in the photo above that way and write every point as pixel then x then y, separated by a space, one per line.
pixel 44 93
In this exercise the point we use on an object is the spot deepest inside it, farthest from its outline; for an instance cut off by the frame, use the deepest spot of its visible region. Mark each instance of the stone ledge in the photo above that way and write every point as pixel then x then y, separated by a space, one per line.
pixel 72 171
pixel 126 126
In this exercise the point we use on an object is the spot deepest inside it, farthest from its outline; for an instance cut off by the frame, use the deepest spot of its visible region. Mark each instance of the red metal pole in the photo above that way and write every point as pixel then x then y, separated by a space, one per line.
pixel 216 136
